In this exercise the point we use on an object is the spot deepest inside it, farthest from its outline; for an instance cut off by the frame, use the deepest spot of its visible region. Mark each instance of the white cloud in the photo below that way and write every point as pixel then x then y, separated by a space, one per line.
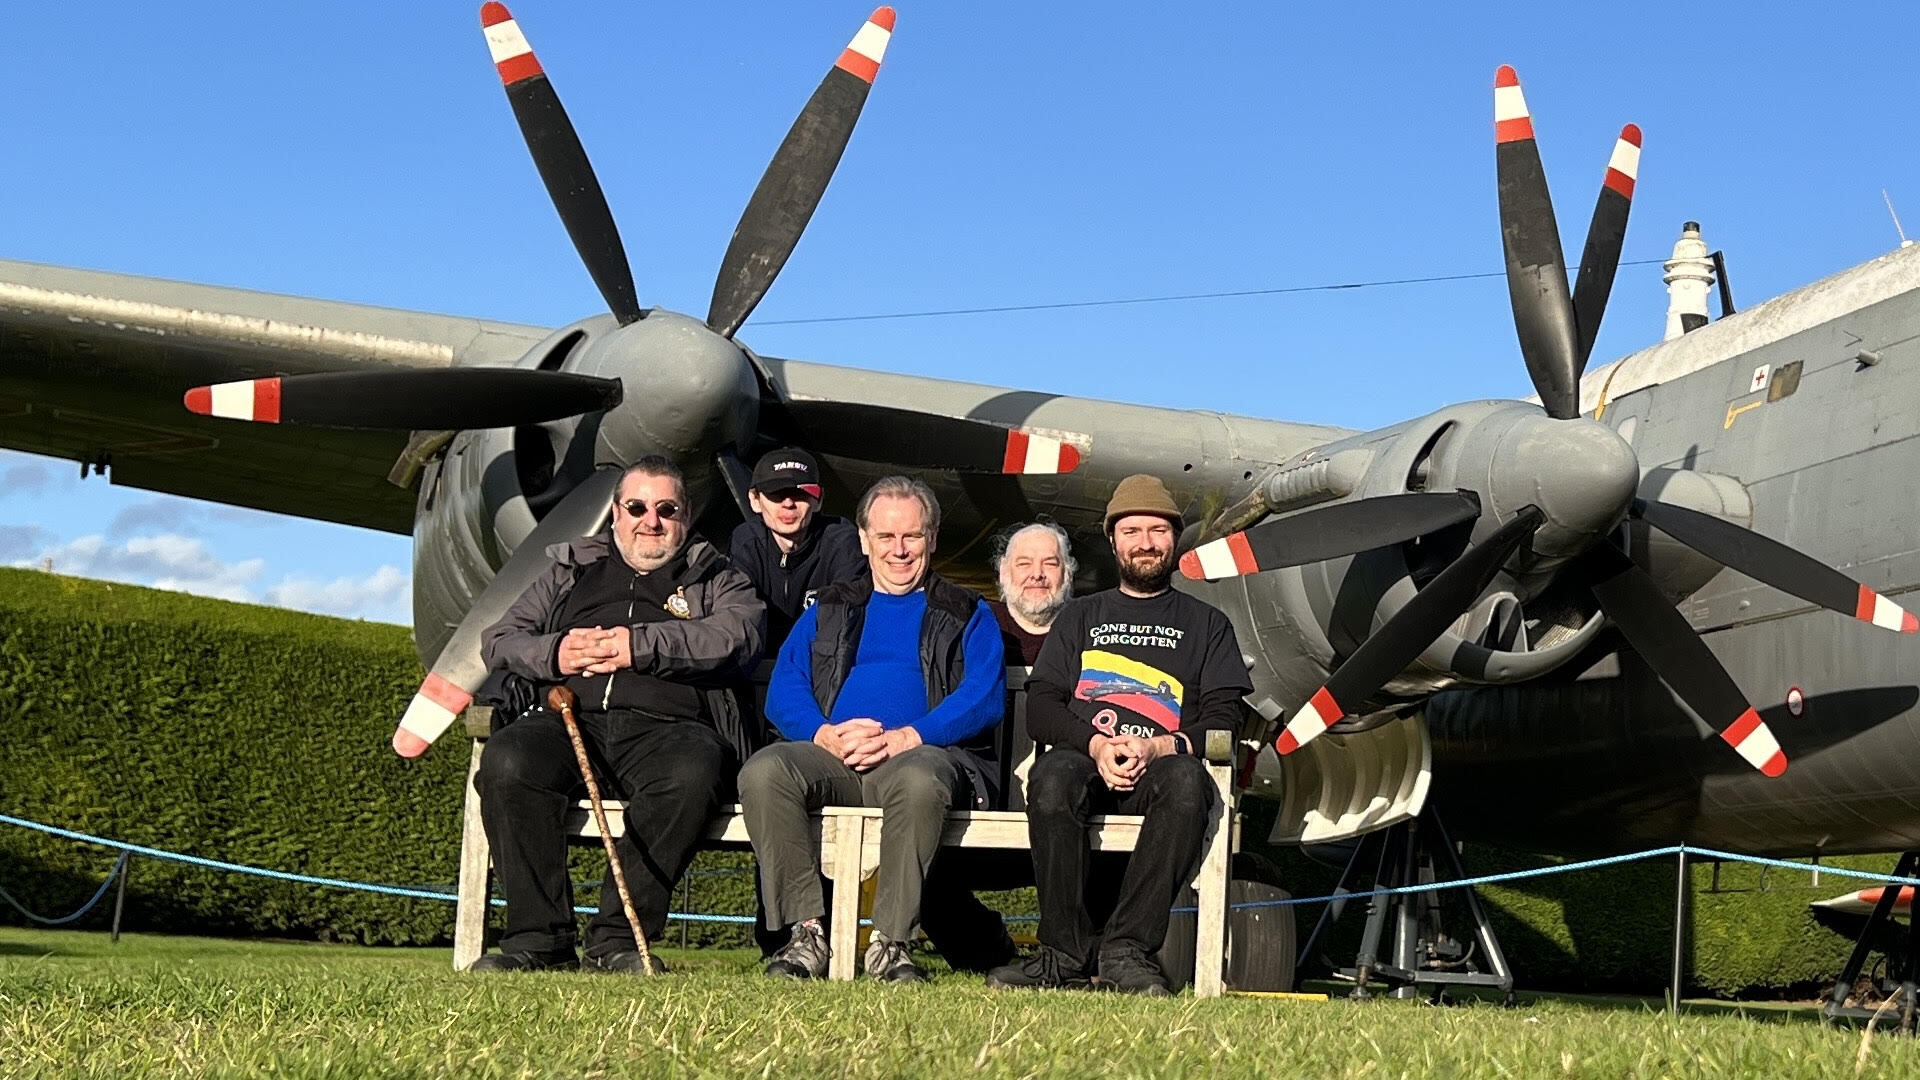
pixel 384 595
pixel 166 561
pixel 186 564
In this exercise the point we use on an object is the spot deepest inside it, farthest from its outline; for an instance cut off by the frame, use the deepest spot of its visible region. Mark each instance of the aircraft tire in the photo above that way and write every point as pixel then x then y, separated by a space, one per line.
pixel 1261 940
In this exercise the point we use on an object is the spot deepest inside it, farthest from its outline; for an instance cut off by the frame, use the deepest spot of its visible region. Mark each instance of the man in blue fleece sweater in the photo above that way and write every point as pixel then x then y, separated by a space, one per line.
pixel 888 689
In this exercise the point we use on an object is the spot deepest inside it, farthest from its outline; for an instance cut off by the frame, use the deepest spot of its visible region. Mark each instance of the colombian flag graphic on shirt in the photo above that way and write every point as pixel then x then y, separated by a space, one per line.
pixel 1112 679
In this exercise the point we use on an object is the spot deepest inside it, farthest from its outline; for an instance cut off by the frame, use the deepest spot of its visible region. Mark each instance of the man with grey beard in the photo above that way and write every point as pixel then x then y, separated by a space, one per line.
pixel 1034 568
pixel 1035 572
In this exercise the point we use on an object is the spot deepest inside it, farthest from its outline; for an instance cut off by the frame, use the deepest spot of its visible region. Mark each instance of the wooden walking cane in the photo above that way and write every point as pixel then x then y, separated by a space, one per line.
pixel 561 700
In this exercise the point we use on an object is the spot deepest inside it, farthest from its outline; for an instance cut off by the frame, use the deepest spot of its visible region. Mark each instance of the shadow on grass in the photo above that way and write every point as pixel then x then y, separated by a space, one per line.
pixel 1766 1012
pixel 11 948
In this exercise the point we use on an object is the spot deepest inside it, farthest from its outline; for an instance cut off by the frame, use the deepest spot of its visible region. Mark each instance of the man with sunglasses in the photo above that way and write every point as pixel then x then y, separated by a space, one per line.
pixel 651 633
pixel 793 550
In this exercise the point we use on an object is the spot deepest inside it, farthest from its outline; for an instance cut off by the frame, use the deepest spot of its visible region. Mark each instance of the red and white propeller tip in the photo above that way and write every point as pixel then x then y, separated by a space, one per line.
pixel 1229 556
pixel 512 57
pixel 1037 455
pixel 1309 722
pixel 861 58
pixel 1884 613
pixel 247 399
pixel 1752 739
pixel 1623 168
pixel 429 715
pixel 1511 121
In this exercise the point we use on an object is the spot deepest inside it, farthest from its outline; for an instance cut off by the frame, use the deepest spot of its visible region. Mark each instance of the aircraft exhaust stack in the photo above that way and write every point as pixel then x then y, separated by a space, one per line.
pixel 1689 279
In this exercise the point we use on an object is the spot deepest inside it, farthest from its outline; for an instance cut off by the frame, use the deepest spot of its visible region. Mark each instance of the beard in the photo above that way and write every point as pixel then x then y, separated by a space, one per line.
pixel 1147 573
pixel 1040 613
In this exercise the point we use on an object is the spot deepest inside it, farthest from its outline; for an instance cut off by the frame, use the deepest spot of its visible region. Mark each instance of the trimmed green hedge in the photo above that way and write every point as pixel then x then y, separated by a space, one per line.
pixel 247 734
pixel 260 736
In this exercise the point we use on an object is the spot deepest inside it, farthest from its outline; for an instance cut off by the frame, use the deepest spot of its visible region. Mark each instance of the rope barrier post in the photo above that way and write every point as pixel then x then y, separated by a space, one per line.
pixel 686 904
pixel 120 896
pixel 1679 925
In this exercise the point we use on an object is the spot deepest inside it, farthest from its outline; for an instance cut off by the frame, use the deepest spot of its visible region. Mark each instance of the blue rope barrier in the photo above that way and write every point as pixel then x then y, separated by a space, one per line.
pixel 119 866
pixel 1589 864
pixel 282 875
pixel 1432 886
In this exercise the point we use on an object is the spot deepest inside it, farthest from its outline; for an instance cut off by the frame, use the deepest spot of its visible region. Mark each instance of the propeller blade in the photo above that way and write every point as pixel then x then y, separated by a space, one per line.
pixel 1767 560
pixel 409 400
pixel 798 175
pixel 459 670
pixel 1329 532
pixel 1605 236
pixel 1675 652
pixel 1536 269
pixel 562 162
pixel 918 440
pixel 1405 636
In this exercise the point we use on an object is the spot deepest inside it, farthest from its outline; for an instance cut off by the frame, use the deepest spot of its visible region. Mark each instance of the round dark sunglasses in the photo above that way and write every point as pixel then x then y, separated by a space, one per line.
pixel 666 508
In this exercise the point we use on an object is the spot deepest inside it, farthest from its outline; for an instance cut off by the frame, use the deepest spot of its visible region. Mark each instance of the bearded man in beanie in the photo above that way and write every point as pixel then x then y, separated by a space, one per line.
pixel 1125 689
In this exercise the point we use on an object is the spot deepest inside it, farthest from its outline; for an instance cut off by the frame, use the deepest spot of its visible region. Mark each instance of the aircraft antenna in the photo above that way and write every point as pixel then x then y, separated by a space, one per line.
pixel 1888 199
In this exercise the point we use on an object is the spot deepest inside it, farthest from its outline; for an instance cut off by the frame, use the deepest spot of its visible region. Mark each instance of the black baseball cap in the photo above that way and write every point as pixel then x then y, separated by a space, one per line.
pixel 786 468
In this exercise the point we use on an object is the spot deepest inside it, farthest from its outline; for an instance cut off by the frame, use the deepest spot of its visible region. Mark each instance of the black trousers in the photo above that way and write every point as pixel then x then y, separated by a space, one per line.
pixel 1064 792
pixel 672 776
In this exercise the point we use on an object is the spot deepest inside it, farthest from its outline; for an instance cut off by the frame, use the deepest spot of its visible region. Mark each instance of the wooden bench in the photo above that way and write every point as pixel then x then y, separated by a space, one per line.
pixel 848 845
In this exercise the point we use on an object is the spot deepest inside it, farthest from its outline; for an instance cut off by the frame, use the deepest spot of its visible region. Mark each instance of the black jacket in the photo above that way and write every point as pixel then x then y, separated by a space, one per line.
pixel 829 551
pixel 716 646
pixel 842 613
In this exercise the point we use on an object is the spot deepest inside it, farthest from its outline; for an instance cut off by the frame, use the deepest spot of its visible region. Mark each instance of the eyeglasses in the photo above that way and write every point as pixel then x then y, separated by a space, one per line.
pixel 666 508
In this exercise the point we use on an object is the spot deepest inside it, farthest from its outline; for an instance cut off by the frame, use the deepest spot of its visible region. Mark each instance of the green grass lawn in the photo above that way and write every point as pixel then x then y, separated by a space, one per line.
pixel 73 1005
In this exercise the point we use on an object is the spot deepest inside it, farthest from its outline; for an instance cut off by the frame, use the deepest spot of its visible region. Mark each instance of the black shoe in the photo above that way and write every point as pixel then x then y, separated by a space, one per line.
pixel 1132 972
pixel 887 960
pixel 1048 969
pixel 625 962
pixel 525 961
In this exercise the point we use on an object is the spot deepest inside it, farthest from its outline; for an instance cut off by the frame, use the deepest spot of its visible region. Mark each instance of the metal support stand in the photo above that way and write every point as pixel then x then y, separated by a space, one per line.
pixel 1902 949
pixel 686 904
pixel 1680 891
pixel 1423 957
pixel 120 898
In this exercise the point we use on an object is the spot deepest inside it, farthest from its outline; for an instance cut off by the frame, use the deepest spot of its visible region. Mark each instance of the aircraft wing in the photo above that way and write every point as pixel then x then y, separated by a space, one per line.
pixel 93 366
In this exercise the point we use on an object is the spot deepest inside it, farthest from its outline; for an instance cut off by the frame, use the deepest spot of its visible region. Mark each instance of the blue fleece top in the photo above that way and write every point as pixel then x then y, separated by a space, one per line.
pixel 885 683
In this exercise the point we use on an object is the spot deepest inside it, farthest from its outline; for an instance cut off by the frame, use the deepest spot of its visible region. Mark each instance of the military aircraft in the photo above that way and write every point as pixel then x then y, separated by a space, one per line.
pixel 1583 605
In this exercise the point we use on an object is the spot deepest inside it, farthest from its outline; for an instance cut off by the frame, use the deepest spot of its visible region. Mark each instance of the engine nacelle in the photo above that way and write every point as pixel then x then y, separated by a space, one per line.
pixel 1296 621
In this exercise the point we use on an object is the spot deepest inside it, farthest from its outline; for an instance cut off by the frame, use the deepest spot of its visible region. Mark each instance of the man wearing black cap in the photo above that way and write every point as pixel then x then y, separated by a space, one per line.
pixel 1124 690
pixel 793 551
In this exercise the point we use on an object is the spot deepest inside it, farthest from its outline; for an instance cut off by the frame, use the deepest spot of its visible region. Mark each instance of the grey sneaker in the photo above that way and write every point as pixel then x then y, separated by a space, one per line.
pixel 887 960
pixel 805 955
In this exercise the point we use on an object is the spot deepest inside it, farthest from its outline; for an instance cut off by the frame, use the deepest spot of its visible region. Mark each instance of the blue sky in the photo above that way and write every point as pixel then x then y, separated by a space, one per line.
pixel 1011 154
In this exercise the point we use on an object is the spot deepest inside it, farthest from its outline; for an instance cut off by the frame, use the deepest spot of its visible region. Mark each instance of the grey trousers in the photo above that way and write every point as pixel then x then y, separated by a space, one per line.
pixel 782 784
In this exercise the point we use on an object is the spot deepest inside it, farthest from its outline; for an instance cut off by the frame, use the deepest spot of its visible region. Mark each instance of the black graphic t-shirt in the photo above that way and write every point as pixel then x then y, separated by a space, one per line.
pixel 1127 665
